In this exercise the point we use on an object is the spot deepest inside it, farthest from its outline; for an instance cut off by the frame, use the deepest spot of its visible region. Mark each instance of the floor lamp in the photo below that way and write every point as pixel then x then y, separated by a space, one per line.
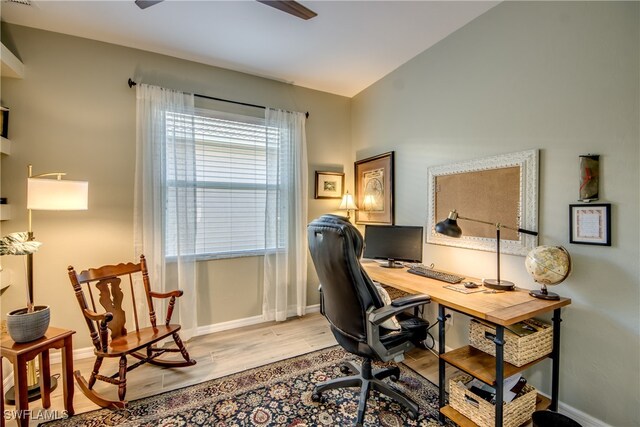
pixel 45 193
pixel 449 227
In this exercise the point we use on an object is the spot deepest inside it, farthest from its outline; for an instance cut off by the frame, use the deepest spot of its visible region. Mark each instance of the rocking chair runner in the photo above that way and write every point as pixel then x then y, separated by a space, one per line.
pixel 109 334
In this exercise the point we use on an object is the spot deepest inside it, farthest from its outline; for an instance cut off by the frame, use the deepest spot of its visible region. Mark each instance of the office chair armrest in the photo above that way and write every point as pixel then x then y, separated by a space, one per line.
pixel 408 299
pixel 379 315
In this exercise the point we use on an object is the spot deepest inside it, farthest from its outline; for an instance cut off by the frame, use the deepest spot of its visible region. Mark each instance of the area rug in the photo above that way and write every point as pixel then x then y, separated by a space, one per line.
pixel 278 394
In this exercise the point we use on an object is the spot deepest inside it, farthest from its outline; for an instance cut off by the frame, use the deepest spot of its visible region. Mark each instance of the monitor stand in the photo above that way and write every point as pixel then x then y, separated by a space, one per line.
pixel 391 263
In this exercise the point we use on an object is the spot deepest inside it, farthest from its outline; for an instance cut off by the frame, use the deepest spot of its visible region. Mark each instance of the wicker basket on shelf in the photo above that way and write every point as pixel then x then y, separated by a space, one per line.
pixel 483 413
pixel 518 350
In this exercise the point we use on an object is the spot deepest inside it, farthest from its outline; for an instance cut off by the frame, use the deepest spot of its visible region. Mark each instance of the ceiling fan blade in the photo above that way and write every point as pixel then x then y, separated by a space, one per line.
pixel 291 7
pixel 143 4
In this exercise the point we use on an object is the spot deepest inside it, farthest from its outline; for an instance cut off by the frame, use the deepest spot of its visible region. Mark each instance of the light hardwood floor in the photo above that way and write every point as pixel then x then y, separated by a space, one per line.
pixel 221 354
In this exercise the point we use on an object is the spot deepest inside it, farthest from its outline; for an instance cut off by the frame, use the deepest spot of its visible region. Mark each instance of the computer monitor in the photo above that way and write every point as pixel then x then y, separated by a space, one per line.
pixel 393 243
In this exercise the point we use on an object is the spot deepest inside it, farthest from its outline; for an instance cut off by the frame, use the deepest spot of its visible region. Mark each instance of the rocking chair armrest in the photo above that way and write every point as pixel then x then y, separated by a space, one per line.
pixel 106 316
pixel 176 293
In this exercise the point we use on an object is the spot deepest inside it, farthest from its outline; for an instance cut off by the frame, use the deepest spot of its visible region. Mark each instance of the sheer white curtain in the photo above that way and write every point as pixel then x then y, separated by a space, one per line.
pixel 164 180
pixel 285 260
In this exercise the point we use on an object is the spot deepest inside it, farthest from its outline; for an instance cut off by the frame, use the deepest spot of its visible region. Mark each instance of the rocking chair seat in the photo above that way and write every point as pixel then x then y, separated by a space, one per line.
pixel 137 340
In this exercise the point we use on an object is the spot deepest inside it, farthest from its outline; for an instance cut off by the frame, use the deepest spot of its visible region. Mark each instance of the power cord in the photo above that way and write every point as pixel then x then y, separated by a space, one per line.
pixel 425 342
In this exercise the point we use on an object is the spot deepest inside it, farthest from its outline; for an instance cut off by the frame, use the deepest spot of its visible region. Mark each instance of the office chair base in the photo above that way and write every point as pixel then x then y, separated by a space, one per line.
pixel 367 379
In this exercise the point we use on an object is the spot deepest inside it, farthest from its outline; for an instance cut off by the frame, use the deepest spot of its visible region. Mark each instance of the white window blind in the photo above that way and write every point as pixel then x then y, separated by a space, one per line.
pixel 230 156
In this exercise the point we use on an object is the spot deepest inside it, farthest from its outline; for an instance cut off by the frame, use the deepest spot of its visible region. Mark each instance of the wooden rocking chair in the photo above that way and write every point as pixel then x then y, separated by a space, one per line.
pixel 109 334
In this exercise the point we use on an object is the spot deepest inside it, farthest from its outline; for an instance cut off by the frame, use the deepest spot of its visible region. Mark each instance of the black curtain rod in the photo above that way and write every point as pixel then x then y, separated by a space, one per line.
pixel 132 84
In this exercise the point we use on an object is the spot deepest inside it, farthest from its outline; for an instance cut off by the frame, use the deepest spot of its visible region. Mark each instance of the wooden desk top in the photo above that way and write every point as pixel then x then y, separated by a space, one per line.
pixel 504 308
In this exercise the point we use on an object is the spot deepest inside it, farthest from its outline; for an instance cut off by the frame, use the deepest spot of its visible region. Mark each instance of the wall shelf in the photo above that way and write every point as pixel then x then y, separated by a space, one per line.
pixel 5 212
pixel 5 146
pixel 11 65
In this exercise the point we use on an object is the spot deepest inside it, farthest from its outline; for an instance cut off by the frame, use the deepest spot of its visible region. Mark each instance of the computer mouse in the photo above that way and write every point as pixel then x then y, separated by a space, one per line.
pixel 470 285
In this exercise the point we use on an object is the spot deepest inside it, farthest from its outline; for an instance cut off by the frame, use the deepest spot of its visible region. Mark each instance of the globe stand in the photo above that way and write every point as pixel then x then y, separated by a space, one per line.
pixel 544 294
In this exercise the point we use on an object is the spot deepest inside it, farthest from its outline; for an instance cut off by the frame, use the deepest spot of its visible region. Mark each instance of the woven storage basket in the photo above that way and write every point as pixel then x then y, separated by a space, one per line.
pixel 483 413
pixel 517 350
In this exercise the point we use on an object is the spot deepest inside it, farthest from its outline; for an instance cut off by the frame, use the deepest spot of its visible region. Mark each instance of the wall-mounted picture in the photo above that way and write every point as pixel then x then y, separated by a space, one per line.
pixel 589 177
pixel 329 185
pixel 374 190
pixel 590 224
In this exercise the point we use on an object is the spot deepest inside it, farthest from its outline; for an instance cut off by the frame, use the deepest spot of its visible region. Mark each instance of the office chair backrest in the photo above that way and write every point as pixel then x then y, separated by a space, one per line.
pixel 335 246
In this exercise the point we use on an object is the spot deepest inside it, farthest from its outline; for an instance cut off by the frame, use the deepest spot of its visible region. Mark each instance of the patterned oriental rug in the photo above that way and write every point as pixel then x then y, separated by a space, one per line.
pixel 278 394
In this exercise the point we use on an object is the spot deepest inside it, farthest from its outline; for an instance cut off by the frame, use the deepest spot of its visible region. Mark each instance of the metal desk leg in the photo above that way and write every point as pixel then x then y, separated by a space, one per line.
pixel 441 362
pixel 555 355
pixel 499 341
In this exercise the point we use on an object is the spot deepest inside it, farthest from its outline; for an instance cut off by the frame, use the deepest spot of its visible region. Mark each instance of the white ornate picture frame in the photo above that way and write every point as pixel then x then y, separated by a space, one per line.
pixel 527 162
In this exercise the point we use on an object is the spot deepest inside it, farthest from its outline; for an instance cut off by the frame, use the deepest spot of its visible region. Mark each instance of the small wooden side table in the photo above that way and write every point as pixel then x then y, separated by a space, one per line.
pixel 20 354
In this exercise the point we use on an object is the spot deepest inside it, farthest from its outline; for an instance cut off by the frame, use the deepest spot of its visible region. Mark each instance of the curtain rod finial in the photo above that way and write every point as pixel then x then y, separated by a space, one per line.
pixel 131 83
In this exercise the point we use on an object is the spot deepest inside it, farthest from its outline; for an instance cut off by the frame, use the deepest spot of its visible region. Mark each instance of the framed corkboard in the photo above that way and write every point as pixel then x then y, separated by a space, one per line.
pixel 500 189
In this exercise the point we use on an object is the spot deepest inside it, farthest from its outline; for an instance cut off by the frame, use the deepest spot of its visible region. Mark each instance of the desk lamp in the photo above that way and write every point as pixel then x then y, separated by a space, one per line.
pixel 348 204
pixel 449 227
pixel 44 193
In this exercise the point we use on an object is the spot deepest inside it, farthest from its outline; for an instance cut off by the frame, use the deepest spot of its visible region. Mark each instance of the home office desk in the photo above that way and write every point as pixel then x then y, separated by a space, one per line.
pixel 500 309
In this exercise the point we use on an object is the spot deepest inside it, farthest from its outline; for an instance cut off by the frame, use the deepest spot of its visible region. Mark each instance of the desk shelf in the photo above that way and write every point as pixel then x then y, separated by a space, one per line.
pixel 542 403
pixel 482 365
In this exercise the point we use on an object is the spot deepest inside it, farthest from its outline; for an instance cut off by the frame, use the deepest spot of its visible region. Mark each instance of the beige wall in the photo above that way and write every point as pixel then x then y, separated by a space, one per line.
pixel 563 78
pixel 74 112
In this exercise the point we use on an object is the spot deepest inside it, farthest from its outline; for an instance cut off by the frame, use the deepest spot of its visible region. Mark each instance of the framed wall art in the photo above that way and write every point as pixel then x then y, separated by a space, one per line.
pixel 374 189
pixel 589 177
pixel 329 185
pixel 590 224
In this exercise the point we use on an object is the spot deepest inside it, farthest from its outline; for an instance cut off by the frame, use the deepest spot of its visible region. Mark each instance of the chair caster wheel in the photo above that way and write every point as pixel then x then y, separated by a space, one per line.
pixel 345 369
pixel 396 375
pixel 317 397
pixel 413 415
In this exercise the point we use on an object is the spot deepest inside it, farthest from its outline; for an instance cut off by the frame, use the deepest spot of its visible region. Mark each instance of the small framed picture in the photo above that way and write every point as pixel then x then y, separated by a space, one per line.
pixel 329 185
pixel 590 224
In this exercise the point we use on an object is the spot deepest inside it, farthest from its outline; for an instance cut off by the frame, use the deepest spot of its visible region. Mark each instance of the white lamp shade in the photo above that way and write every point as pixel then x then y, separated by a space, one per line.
pixel 57 195
pixel 348 203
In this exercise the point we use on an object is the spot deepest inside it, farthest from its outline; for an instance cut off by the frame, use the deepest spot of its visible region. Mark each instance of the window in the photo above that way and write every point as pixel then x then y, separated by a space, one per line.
pixel 229 180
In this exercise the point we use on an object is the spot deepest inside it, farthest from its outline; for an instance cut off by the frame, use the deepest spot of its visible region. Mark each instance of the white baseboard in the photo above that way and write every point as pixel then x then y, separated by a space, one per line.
pixel 231 324
pixel 82 353
pixel 582 418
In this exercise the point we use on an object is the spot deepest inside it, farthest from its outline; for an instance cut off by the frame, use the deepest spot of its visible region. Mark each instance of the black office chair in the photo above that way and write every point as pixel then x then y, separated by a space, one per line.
pixel 354 309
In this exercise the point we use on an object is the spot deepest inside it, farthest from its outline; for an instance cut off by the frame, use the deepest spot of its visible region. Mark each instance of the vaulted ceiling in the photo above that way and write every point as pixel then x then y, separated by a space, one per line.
pixel 347 47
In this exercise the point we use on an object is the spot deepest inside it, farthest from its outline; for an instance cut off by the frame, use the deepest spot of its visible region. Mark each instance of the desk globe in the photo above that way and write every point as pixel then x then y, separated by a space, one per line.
pixel 548 265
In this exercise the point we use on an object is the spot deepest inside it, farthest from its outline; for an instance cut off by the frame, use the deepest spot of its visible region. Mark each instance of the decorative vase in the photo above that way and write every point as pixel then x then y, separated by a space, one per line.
pixel 25 327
